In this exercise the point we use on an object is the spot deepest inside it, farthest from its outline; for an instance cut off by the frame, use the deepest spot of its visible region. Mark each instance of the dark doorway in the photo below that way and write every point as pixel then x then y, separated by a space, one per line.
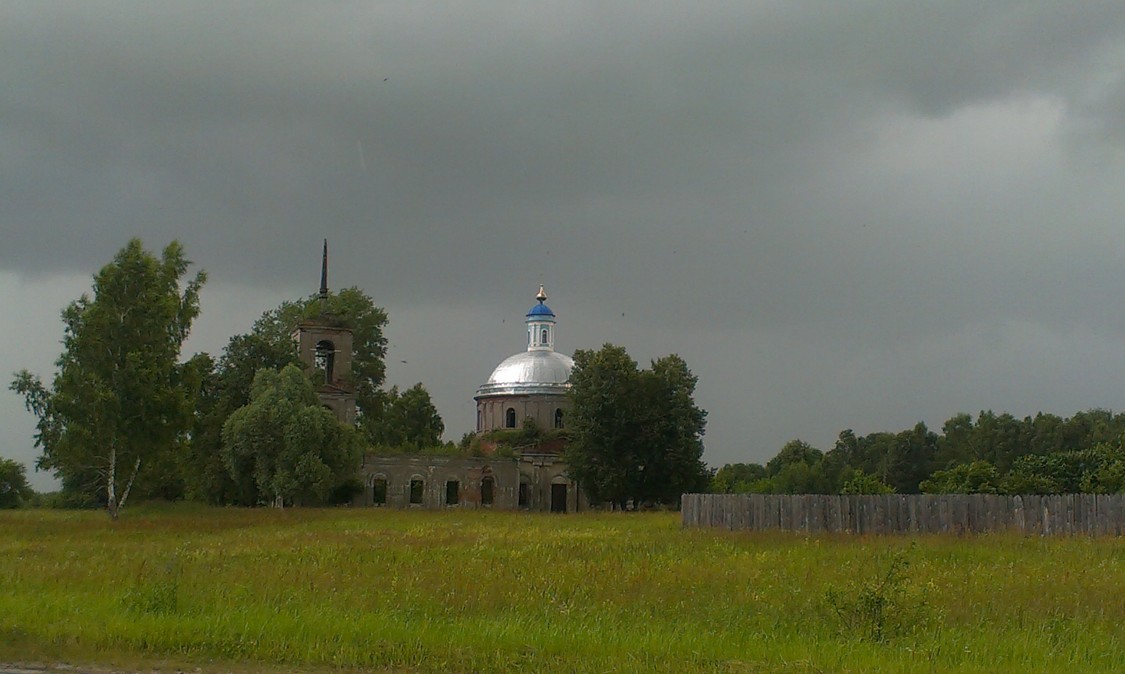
pixel 452 492
pixel 486 491
pixel 524 488
pixel 416 492
pixel 379 491
pixel 558 498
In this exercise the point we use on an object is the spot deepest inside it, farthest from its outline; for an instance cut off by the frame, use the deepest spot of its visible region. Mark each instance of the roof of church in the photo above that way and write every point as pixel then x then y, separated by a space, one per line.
pixel 530 372
pixel 540 310
pixel 539 370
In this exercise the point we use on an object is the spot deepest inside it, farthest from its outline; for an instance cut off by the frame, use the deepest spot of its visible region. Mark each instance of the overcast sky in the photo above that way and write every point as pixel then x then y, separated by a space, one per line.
pixel 841 214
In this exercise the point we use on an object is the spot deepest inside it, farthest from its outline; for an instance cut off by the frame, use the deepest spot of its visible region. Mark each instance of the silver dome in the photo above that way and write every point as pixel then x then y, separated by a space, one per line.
pixel 530 372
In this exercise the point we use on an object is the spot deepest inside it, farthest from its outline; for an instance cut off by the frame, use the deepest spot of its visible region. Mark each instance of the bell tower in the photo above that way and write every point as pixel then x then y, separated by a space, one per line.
pixel 324 347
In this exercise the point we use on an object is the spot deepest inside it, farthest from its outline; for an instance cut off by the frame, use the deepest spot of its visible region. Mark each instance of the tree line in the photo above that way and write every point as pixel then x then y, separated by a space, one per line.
pixel 124 417
pixel 990 454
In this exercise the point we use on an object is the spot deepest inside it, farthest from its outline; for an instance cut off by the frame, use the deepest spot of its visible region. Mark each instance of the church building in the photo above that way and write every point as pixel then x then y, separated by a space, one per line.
pixel 528 387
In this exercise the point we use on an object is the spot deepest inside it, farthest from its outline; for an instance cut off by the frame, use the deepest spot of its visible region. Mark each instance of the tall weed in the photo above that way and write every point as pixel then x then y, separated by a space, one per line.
pixel 885 606
pixel 155 592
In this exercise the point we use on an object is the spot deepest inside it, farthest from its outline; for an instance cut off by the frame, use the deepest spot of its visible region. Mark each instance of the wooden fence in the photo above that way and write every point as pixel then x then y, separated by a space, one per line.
pixel 1068 514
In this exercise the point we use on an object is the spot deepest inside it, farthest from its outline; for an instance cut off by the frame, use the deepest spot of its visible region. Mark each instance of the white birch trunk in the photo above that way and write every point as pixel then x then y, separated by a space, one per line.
pixel 129 484
pixel 111 483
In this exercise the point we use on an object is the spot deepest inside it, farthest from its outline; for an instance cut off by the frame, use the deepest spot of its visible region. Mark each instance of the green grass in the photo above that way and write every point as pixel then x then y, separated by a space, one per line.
pixel 484 591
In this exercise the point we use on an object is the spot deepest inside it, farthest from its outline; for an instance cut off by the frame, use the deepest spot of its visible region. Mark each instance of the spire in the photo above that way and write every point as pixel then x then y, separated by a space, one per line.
pixel 324 274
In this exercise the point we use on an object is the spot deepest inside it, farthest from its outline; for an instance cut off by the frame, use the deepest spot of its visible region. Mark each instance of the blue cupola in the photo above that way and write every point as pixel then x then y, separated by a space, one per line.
pixel 541 325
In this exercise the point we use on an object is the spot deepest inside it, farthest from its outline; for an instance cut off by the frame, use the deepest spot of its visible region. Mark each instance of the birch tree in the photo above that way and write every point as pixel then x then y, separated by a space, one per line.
pixel 119 397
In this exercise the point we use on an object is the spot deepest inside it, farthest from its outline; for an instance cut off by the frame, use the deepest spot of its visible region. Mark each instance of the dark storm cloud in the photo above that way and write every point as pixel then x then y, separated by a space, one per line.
pixel 447 134
pixel 853 178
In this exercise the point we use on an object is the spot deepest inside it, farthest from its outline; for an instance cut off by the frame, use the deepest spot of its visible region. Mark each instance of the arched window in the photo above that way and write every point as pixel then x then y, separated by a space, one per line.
pixel 325 359
pixel 558 418
pixel 544 336
pixel 510 418
pixel 417 487
pixel 486 491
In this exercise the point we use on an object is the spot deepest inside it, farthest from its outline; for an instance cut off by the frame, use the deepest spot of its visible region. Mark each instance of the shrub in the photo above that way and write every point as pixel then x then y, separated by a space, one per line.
pixel 883 607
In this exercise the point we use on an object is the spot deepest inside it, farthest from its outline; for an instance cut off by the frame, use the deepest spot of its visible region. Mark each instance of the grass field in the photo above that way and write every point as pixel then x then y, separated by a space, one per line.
pixel 482 591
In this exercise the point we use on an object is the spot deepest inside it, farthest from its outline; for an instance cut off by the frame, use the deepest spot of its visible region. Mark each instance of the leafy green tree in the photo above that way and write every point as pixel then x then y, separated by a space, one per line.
pixel 860 482
pixel 671 440
pixel 873 453
pixel 1001 439
pixel 1106 471
pixel 602 453
pixel 794 452
pixel 1058 473
pixel 120 399
pixel 1099 469
pixel 796 478
pixel 408 419
pixel 833 471
pixel 1108 479
pixel 799 468
pixel 911 459
pixel 1045 434
pixel 736 478
pixel 636 435
pixel 297 452
pixel 225 387
pixel 848 448
pixel 956 444
pixel 14 489
pixel 977 477
pixel 899 460
pixel 1089 428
